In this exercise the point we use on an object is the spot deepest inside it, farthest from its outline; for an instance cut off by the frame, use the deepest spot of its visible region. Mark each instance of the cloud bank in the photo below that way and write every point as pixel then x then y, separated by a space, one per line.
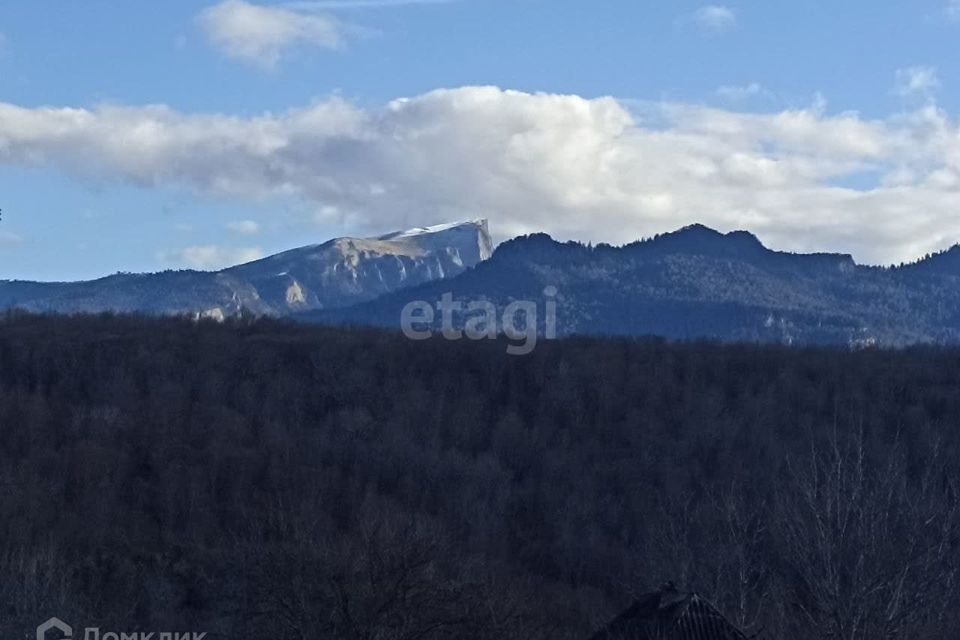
pixel 591 169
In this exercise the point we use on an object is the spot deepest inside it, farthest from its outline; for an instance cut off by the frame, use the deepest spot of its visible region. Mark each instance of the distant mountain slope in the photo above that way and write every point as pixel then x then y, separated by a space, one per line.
pixel 337 273
pixel 697 282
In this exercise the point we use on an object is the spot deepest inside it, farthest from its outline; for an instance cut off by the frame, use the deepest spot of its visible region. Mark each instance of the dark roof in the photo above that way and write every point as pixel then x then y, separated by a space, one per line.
pixel 670 615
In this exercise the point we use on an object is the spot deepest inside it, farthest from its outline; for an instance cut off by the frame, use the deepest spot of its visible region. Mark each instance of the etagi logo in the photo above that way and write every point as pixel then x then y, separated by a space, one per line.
pixel 54 629
pixel 520 320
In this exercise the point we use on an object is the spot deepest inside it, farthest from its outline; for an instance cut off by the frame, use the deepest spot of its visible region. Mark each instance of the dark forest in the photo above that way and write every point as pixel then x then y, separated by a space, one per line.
pixel 260 479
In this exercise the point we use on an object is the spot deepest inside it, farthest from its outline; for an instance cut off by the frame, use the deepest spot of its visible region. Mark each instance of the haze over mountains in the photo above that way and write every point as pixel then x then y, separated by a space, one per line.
pixel 692 283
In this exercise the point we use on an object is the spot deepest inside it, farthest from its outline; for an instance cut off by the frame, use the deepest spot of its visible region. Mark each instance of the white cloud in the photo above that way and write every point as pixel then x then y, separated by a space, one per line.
pixel 244 227
pixel 261 34
pixel 209 257
pixel 324 5
pixel 736 93
pixel 952 10
pixel 714 19
pixel 589 169
pixel 917 81
pixel 9 238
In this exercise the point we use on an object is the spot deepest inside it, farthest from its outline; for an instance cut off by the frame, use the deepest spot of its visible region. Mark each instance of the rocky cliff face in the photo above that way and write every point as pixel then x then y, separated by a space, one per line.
pixel 331 275
pixel 350 270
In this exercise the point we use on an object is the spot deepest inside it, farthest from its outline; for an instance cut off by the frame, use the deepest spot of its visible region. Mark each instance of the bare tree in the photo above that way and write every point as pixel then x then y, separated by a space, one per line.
pixel 868 551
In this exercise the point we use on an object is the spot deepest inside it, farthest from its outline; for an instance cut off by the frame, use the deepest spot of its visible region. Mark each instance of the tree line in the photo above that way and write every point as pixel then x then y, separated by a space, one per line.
pixel 261 479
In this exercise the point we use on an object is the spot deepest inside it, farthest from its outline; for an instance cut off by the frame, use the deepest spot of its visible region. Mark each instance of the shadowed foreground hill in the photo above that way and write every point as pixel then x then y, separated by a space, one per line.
pixel 266 480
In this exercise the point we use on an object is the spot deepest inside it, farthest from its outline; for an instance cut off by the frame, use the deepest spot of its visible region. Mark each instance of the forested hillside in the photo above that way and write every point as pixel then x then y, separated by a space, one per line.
pixel 697 283
pixel 268 480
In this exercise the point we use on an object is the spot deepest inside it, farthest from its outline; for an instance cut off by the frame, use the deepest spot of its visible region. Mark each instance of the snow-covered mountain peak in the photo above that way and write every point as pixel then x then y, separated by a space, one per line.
pixel 472 226
pixel 337 273
pixel 467 240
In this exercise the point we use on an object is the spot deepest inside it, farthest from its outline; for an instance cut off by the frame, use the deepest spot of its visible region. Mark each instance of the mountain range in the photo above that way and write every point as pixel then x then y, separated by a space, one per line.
pixel 337 273
pixel 700 283
pixel 692 283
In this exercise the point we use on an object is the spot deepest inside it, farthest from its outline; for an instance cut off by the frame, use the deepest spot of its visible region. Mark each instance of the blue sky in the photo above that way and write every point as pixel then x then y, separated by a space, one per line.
pixel 819 125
